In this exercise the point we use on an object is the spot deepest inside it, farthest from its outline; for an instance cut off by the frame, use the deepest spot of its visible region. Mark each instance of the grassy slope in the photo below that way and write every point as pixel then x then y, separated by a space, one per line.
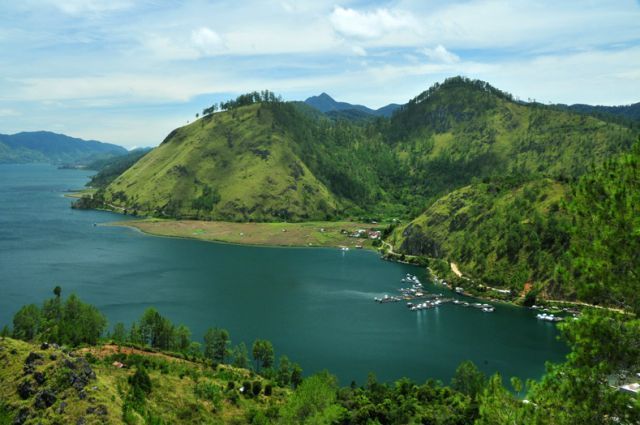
pixel 238 154
pixel 271 234
pixel 472 226
pixel 182 391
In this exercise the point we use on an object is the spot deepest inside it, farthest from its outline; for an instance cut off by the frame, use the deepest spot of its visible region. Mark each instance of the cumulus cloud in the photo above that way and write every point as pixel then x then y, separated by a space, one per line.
pixel 369 25
pixel 440 54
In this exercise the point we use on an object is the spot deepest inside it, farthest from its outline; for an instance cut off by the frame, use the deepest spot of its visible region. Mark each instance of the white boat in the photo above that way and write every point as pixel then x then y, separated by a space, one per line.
pixel 488 309
pixel 548 317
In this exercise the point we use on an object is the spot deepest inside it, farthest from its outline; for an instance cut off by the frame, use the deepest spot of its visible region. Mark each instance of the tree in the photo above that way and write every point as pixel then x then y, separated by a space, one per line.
pixel 216 342
pixel 241 356
pixel 262 353
pixel 119 334
pixel 26 322
pixel 140 385
pixel 283 376
pixel 606 239
pixel 81 323
pixel 195 349
pixel 5 332
pixel 605 349
pixel 57 291
pixel 156 330
pixel 181 338
pixel 314 402
pixel 296 375
pixel 468 379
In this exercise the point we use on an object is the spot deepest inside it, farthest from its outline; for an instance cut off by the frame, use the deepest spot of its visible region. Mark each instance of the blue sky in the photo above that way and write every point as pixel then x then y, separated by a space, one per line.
pixel 129 71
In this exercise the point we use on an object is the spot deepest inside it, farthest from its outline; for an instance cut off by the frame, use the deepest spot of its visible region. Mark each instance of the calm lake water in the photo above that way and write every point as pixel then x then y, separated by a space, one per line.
pixel 315 305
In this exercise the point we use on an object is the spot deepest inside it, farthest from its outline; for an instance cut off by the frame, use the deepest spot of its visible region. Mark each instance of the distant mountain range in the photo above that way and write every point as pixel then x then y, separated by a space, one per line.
pixel 45 146
pixel 627 112
pixel 328 105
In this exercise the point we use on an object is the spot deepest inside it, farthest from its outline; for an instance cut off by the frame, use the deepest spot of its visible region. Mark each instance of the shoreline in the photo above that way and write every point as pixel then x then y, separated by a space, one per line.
pixel 274 235
pixel 366 245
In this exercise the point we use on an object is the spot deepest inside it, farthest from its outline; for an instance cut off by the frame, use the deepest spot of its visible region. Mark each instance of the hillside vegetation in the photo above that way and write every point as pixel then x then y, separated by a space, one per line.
pixel 237 165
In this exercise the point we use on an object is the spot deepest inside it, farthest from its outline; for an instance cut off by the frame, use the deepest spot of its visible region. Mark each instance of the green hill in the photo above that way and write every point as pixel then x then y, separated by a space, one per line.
pixel 237 165
pixel 501 233
pixel 110 168
pixel 462 129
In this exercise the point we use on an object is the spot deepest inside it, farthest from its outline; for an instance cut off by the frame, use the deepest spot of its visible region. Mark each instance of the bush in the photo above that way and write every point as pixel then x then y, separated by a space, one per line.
pixel 246 388
pixel 256 387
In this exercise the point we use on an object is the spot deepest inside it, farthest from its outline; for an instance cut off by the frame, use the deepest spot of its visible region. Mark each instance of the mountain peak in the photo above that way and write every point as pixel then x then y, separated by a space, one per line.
pixel 325 103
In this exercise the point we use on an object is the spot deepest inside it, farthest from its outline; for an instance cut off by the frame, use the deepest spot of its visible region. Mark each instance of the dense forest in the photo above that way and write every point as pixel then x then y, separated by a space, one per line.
pixel 152 372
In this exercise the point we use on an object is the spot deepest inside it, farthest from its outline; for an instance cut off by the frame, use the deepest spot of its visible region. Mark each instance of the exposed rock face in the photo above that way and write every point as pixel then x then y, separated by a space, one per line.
pixel 81 373
pixel 44 399
pixel 34 358
pixel 21 417
pixel 417 242
pixel 26 389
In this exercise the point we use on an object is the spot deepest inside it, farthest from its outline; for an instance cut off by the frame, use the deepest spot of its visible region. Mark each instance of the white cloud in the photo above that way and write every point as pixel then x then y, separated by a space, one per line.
pixel 201 42
pixel 370 25
pixel 207 41
pixel 440 54
pixel 359 51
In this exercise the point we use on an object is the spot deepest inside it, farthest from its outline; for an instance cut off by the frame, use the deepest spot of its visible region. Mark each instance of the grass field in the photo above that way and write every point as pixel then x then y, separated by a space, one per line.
pixel 315 234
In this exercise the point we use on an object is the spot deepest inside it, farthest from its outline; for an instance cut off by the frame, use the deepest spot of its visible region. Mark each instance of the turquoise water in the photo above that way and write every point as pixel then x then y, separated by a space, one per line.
pixel 315 305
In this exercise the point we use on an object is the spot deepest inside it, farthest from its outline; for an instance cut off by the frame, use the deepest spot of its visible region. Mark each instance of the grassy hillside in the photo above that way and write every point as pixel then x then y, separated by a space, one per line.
pixel 54 386
pixel 110 168
pixel 504 234
pixel 236 165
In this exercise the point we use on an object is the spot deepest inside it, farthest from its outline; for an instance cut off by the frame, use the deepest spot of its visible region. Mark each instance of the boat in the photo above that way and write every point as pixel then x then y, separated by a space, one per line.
pixel 548 317
pixel 345 248
pixel 488 309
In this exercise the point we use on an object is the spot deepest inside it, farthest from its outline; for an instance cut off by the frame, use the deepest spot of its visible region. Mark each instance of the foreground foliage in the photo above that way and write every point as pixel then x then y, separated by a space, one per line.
pixel 137 384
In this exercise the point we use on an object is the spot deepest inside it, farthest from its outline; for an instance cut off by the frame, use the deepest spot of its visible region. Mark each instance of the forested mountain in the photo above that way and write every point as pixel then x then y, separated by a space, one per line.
pixel 517 223
pixel 326 104
pixel 45 146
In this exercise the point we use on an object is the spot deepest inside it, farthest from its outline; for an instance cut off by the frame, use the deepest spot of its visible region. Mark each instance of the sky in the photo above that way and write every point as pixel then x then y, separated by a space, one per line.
pixel 130 71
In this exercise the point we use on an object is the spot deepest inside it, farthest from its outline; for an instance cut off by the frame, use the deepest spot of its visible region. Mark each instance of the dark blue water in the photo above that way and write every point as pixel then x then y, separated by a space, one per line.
pixel 315 305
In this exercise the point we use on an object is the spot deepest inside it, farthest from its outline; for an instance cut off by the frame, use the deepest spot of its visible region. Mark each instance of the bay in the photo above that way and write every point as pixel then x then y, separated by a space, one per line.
pixel 315 305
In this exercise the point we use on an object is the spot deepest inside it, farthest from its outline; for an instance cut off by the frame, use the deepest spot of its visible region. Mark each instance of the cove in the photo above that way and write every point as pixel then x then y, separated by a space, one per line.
pixel 315 305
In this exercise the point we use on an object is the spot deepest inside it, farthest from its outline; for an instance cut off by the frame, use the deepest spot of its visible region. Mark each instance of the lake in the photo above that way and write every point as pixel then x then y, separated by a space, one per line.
pixel 315 305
